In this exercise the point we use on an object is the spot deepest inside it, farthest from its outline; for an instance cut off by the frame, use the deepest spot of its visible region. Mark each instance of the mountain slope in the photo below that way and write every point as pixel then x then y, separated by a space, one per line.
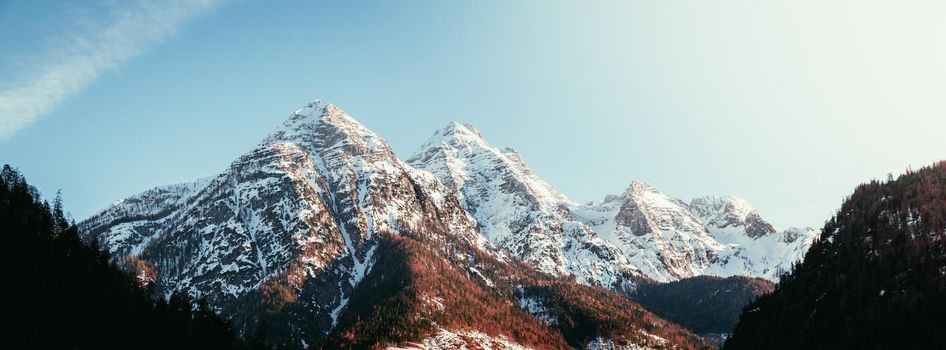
pixel 518 211
pixel 427 294
pixel 325 237
pixel 874 281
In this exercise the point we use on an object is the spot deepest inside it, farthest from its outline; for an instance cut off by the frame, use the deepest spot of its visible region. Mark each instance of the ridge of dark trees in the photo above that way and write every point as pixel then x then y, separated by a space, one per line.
pixel 875 280
pixel 59 293
pixel 703 304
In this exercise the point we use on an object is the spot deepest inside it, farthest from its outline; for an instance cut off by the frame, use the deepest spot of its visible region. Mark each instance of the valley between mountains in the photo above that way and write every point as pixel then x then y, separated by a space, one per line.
pixel 325 237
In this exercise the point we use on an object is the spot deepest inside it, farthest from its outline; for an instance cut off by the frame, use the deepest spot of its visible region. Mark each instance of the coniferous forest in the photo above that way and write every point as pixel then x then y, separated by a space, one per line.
pixel 704 304
pixel 59 293
pixel 876 280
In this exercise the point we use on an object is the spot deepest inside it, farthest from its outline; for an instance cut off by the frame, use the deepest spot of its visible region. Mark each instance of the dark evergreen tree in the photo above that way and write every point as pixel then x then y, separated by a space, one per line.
pixel 59 217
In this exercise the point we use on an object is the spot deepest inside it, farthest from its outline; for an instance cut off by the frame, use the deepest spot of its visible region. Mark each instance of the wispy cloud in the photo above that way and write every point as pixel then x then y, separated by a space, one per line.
pixel 131 29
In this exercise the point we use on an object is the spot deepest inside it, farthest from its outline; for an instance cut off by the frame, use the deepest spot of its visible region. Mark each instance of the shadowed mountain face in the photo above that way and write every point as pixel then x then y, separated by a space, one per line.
pixel 704 304
pixel 874 281
pixel 322 234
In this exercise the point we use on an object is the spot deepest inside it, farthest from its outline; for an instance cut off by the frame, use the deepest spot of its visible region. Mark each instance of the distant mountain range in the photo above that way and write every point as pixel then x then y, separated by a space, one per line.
pixel 322 234
pixel 639 233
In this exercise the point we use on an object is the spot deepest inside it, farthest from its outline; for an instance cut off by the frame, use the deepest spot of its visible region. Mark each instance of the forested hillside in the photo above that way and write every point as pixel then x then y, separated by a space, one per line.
pixel 876 280
pixel 704 304
pixel 60 294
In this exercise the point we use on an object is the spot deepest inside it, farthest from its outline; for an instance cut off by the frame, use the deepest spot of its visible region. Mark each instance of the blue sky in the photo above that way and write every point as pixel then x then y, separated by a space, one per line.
pixel 786 104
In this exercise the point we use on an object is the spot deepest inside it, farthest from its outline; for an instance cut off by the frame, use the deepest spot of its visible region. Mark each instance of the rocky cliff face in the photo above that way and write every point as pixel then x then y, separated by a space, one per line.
pixel 723 212
pixel 753 246
pixel 655 231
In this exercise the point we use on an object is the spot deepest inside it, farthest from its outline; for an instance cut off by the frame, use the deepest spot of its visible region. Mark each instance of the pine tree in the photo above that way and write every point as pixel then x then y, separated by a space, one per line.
pixel 59 218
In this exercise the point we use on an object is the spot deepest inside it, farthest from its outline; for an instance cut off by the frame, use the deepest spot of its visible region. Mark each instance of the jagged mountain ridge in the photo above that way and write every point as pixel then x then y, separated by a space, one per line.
pixel 292 232
pixel 641 233
pixel 654 230
pixel 671 239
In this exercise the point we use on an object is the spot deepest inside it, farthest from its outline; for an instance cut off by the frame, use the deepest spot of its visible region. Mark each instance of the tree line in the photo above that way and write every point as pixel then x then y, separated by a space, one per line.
pixel 59 293
pixel 875 280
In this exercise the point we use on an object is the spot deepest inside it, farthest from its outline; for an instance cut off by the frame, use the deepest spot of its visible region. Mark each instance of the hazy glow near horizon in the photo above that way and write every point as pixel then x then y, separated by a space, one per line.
pixel 786 104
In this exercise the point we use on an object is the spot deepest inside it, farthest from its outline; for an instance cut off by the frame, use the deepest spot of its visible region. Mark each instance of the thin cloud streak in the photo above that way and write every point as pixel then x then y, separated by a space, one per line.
pixel 65 69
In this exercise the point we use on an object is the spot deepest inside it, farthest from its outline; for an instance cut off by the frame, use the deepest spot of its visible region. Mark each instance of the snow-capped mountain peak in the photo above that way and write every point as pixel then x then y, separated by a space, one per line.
pixel 516 210
pixel 638 187
pixel 731 211
pixel 753 246
pixel 456 134
pixel 669 239
pixel 646 194
pixel 321 125
pixel 646 210
pixel 656 232
pixel 710 206
pixel 459 152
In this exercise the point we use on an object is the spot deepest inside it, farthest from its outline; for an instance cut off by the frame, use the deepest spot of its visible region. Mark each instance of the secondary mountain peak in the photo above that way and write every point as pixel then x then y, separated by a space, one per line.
pixel 655 231
pixel 638 186
pixel 518 211
pixel 721 236
pixel 731 211
pixel 733 205
pixel 468 129
pixel 456 134
pixel 457 152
